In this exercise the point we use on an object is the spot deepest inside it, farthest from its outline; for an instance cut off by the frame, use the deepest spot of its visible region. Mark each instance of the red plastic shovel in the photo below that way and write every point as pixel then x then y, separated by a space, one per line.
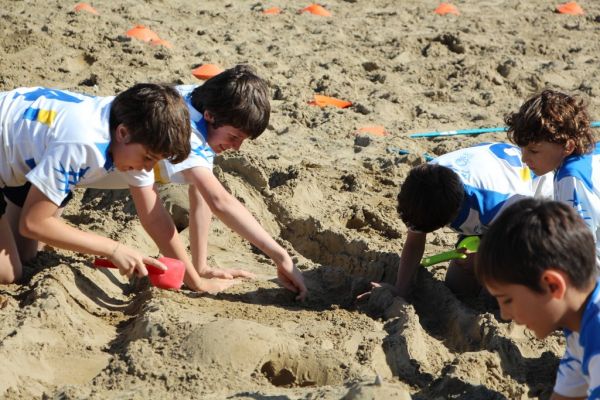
pixel 172 278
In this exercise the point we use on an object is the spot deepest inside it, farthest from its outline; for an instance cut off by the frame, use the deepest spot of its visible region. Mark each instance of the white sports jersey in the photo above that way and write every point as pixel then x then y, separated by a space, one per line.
pixel 493 177
pixel 56 140
pixel 165 172
pixel 577 182
pixel 579 370
pixel 201 155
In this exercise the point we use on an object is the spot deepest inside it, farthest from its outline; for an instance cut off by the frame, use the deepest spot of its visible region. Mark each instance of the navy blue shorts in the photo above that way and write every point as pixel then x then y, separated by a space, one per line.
pixel 18 194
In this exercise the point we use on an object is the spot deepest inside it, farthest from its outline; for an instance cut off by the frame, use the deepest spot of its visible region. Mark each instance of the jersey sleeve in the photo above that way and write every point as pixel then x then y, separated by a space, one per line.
pixel 138 178
pixel 543 186
pixel 61 168
pixel 594 373
pixel 570 381
pixel 200 156
pixel 575 193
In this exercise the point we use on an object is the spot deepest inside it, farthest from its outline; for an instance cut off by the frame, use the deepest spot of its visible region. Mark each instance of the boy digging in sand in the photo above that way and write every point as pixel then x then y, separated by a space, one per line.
pixel 225 111
pixel 465 190
pixel 54 140
pixel 553 131
pixel 538 260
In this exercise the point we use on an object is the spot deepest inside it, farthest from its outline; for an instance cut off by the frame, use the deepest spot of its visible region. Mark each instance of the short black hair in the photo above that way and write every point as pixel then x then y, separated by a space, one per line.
pixel 430 197
pixel 531 236
pixel 236 97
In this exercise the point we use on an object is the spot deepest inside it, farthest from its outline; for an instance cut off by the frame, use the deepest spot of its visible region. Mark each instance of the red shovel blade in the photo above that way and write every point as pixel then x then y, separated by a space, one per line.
pixel 172 278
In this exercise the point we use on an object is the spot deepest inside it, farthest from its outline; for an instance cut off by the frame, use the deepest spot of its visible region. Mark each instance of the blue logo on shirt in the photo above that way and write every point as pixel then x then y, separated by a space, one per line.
pixel 71 177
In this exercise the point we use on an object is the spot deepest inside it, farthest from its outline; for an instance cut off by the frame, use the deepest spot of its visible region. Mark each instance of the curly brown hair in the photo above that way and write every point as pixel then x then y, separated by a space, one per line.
pixel 554 117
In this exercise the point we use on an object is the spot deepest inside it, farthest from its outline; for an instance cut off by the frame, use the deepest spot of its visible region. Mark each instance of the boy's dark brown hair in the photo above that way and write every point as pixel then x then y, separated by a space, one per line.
pixel 236 97
pixel 156 117
pixel 553 117
pixel 534 235
pixel 430 197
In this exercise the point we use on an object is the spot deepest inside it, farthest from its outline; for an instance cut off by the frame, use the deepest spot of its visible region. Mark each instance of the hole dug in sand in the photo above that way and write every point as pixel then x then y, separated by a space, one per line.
pixel 297 369
pixel 249 349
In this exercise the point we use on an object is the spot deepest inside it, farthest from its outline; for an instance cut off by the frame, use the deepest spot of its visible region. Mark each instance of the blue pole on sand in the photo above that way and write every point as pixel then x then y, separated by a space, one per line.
pixel 477 131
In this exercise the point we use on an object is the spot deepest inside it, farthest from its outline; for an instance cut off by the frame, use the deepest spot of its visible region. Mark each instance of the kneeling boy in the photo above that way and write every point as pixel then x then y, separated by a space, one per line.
pixel 538 260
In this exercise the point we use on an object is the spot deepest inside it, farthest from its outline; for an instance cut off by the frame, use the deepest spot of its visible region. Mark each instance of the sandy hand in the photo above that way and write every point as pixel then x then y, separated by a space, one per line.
pixel 378 286
pixel 130 261
pixel 291 278
pixel 216 285
pixel 225 273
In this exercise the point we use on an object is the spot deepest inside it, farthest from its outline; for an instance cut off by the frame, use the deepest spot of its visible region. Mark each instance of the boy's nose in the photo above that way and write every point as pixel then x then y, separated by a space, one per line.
pixel 504 314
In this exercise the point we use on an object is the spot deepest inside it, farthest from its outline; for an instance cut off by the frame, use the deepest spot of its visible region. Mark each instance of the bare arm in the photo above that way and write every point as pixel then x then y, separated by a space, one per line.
pixel 229 210
pixel 38 221
pixel 412 252
pixel 200 217
pixel 158 223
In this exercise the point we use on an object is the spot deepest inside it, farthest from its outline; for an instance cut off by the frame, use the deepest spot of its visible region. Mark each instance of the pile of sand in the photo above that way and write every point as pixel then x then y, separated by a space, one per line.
pixel 326 194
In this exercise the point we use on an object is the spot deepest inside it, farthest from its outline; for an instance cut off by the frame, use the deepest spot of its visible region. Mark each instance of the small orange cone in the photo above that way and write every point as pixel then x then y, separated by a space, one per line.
pixel 446 8
pixel 206 71
pixel 376 130
pixel 571 8
pixel 316 10
pixel 323 101
pixel 85 7
pixel 142 33
pixel 272 11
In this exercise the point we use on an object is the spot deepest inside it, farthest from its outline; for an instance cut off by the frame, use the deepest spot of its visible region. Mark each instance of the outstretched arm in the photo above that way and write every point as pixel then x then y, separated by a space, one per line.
pixel 412 252
pixel 410 259
pixel 200 217
pixel 229 210
pixel 158 223
pixel 38 221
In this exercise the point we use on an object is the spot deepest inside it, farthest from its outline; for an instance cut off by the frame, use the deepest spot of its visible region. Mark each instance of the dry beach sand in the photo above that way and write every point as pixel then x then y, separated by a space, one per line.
pixel 326 194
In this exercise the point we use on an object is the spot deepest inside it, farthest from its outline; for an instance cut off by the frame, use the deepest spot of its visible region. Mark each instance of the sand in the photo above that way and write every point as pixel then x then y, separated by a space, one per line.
pixel 326 194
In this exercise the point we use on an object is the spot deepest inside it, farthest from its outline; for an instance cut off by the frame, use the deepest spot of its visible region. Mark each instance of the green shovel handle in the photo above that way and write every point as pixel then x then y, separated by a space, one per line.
pixel 446 256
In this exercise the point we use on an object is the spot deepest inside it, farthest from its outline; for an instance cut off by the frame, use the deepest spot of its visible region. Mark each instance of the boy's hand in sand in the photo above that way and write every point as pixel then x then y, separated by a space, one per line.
pixel 379 286
pixel 291 278
pixel 215 285
pixel 130 261
pixel 225 273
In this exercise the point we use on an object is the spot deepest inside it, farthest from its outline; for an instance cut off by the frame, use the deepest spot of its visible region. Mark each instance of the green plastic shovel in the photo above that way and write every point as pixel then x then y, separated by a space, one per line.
pixel 470 243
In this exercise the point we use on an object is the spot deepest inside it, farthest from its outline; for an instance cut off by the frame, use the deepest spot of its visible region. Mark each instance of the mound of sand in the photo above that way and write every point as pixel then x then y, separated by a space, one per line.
pixel 327 195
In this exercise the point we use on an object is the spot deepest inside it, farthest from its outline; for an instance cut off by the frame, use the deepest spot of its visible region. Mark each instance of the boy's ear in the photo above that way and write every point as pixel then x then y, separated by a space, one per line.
pixel 208 116
pixel 122 134
pixel 555 283
pixel 569 147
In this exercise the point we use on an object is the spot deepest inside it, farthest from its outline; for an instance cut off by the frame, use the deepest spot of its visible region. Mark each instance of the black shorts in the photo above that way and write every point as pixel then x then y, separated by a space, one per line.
pixel 18 194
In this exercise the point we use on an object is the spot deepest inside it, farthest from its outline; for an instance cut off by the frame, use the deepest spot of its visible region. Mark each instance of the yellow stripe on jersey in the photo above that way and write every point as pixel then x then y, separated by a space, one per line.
pixel 46 117
pixel 157 176
pixel 526 174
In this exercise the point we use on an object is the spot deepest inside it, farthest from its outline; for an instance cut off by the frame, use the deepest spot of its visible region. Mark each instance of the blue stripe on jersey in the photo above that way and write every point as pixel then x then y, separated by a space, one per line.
pixel 589 337
pixel 580 167
pixel 486 202
pixel 103 147
pixel 594 394
pixel 52 94
pixel 201 127
pixel 30 163
pixel 71 177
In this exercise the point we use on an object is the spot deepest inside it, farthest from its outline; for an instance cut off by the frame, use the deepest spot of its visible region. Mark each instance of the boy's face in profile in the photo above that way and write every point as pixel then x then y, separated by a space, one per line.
pixel 129 156
pixel 224 138
pixel 539 312
pixel 543 157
